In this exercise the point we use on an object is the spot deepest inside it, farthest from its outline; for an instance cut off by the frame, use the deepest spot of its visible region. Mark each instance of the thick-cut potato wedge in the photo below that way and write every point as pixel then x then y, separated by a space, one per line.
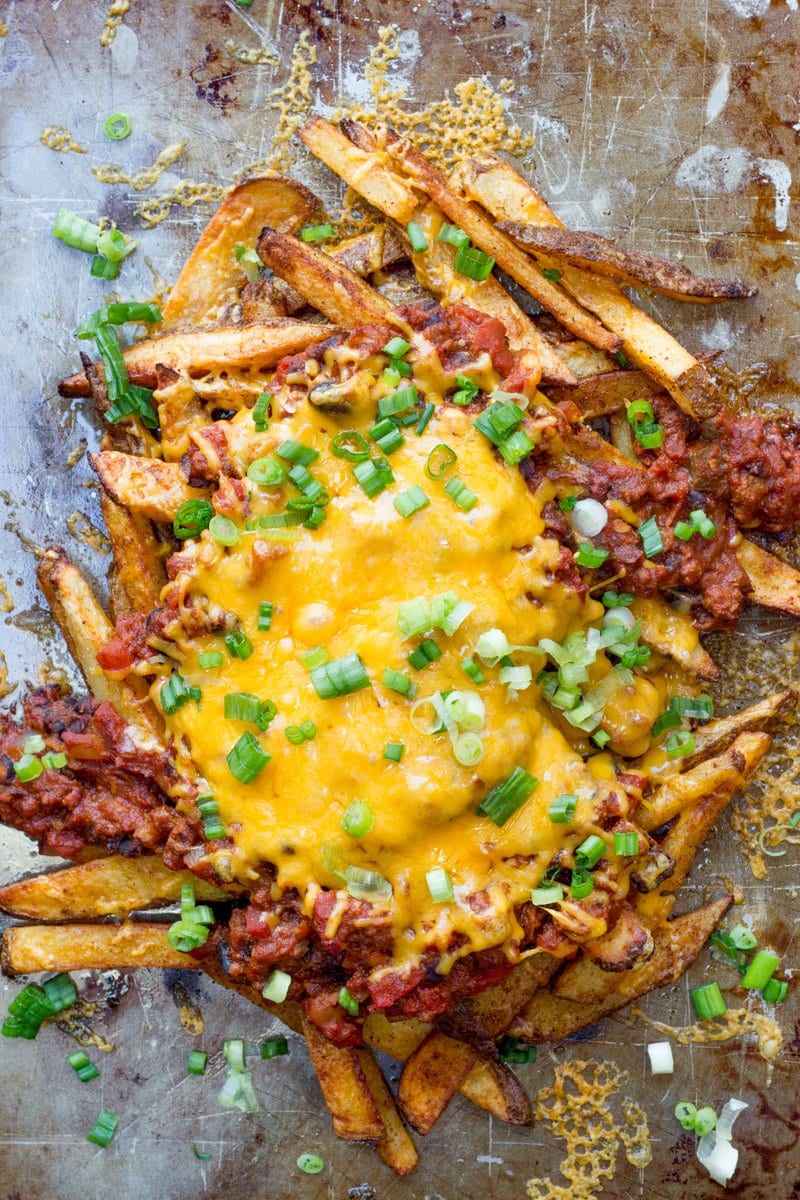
pixel 717 735
pixel 606 392
pixel 774 583
pixel 180 411
pixel 31 948
pixel 494 1087
pixel 728 770
pixel 630 268
pixel 139 573
pixel 85 628
pixel 508 197
pixel 105 887
pixel 328 285
pixel 431 1077
pixel 481 1019
pixel 672 634
pixel 345 1088
pixel 211 276
pixel 395 1147
pixel 254 348
pixel 146 487
pixel 506 253
pixel 361 169
pixel 627 941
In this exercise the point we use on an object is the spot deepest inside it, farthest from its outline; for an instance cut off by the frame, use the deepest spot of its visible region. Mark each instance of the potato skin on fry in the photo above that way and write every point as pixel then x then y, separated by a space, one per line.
pixel 28 949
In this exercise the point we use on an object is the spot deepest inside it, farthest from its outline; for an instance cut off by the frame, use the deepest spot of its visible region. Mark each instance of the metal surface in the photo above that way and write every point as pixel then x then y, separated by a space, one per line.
pixel 672 126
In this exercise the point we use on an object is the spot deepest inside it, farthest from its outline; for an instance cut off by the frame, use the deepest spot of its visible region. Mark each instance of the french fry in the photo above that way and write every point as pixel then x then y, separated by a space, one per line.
pixel 395 1147
pixel 629 268
pixel 138 560
pixel 180 411
pixel 481 1019
pixel 494 1087
pixel 774 583
pixel 146 487
pixel 431 1077
pixel 626 942
pixel 104 887
pixel 28 949
pixel 362 170
pixel 211 276
pixel 345 1087
pixel 326 284
pixel 728 770
pixel 597 395
pixel 86 628
pixel 507 196
pixel 717 735
pixel 254 348
pixel 672 634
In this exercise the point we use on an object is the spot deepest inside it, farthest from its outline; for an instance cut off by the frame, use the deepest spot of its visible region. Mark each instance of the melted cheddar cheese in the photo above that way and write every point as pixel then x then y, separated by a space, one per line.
pixel 340 586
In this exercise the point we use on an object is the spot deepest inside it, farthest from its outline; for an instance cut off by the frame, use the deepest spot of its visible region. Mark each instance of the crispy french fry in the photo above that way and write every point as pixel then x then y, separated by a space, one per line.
pixel 138 558
pixel 507 196
pixel 328 285
pixel 362 170
pixel 627 941
pixel 251 348
pixel 774 583
pixel 494 1087
pixel 481 1019
pixel 105 887
pixel 728 770
pixel 146 487
pixel 31 948
pixel 395 1147
pixel 673 634
pixel 431 1077
pixel 717 735
pixel 630 268
pixel 345 1088
pixel 85 628
pixel 211 276
pixel 609 391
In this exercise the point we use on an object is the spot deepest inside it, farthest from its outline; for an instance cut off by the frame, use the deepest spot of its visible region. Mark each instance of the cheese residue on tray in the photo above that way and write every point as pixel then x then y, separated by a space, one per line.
pixel 6 688
pixel 111 174
pixel 114 17
pixel 252 56
pixel 56 137
pixel 75 1022
pixel 735 1023
pixel 49 673
pixel 293 101
pixel 84 531
pixel 577 1108
pixel 185 193
pixel 6 601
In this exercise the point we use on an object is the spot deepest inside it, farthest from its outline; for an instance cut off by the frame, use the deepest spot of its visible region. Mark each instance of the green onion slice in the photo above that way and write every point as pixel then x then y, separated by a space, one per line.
pixel 358 819
pixel 417 238
pixel 103 1129
pixel 317 233
pixel 473 263
pixel 440 885
pixel 440 459
pixel 508 796
pixel 117 126
pixel 310 1164
pixel 562 809
pixel 192 517
pixel 247 758
pixel 708 1001
pixel 339 677
pixel 351 445
pixel 277 987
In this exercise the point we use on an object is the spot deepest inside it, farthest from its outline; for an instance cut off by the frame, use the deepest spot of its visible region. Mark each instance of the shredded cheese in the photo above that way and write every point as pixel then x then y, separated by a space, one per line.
pixel 261 56
pixel 293 101
pixel 84 531
pixel 166 158
pixel 735 1023
pixel 49 673
pixel 56 137
pixel 114 17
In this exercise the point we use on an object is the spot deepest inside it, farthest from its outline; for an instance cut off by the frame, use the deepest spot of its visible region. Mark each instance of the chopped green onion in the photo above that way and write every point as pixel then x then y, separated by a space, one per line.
pixel 743 938
pixel 700 708
pixel 350 445
pixel 544 896
pixel 269 522
pixel 650 437
pixel 314 658
pixel 396 347
pixel 398 682
pixel 314 518
pixel 265 612
pixel 684 531
pixel 27 768
pixel 473 263
pixel 247 758
pixel 114 245
pixel 499 421
pixel 686 1114
pixel 261 411
pixel 440 459
pixel 463 496
pixel 452 235
pixel 414 616
pixel 617 599
pixel 210 659
pixel 590 556
pixel 244 706
pixel 266 472
pixel 235 1054
pixel 679 744
pixel 412 501
pixel 562 809
pixel 515 447
pixel 703 524
pixel 75 231
pixel 440 885
pixel 393 751
pixel 512 1052
pixel 249 261
pixel 310 1164
pixel 621 358
pixel 367 885
pixel 705 1121
pixel 370 478
pixel 417 238
pixel 52 761
pixel 669 719
pixel 590 851
pixel 274 1047
pixel 294 452
pixel 297 734
pixel 175 693
pixel 454 617
pixel 708 1001
pixel 424 421
pixel 581 883
pixel 223 531
pixel 626 845
pixel 305 482
pixel 192 517
pixel 196 1062
pixel 104 1127
pixel 652 542
pixel 209 812
pixel 60 991
pixel 238 643
pixel 339 677
pixel 276 989
pixel 83 1067
pixel 317 233
pixel 471 668
pixel 551 274
pixel 347 1002
pixel 117 126
pixel 104 268
pixel 398 402
pixel 424 655
pixel 358 819
pixel 468 749
pixel 567 503
pixel 466 391
pixel 508 796
pixel 775 991
pixel 760 970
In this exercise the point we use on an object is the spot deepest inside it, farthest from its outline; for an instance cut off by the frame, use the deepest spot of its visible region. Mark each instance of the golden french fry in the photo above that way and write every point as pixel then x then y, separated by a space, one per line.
pixel 86 628
pixel 627 941
pixel 146 487
pixel 507 196
pixel 211 277
pixel 345 1088
pixel 362 170
pixel 629 268
pixel 728 770
pixel 31 948
pixel 326 284
pixel 431 1077
pixel 254 348
pixel 104 887
pixel 481 1019
pixel 494 1087
pixel 605 392
pixel 774 583
pixel 395 1147
pixel 138 558
pixel 717 735
pixel 673 634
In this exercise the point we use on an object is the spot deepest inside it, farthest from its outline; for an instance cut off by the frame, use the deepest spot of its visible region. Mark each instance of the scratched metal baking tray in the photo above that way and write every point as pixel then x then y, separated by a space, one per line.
pixel 671 126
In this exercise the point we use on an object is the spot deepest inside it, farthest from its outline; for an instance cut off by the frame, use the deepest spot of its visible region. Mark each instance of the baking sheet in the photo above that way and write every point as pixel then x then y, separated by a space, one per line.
pixel 672 126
